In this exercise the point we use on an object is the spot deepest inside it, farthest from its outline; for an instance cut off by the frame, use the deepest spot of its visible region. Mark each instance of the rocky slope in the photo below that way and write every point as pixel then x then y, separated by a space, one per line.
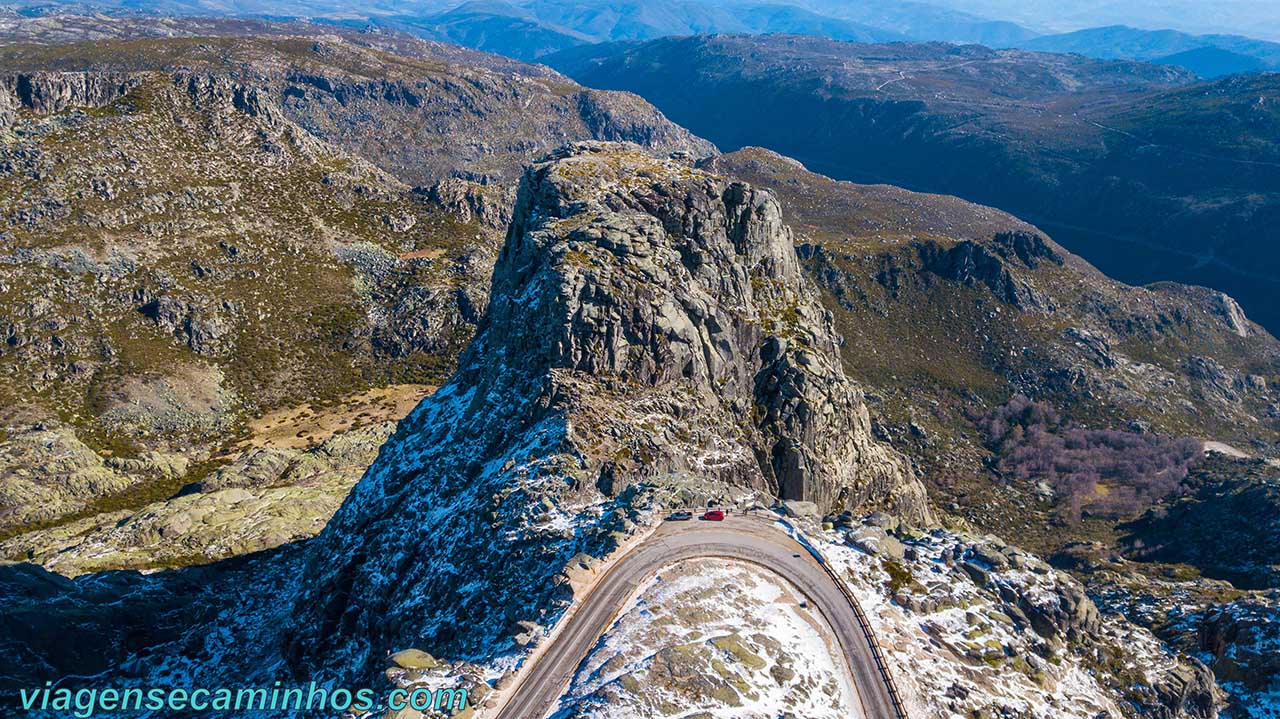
pixel 155 226
pixel 916 280
pixel 948 309
pixel 158 220
pixel 67 27
pixel 262 499
pixel 979 627
pixel 651 340
pixel 1231 631
pixel 1129 165
pixel 422 111
pixel 649 328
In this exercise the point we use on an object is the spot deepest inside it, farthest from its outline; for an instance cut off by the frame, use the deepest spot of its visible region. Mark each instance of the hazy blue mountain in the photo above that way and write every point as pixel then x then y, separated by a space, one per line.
pixel 529 29
pixel 489 25
pixel 1213 62
pixel 534 28
pixel 865 21
pixel 1256 18
pixel 793 20
pixel 924 21
pixel 1165 46
pixel 636 19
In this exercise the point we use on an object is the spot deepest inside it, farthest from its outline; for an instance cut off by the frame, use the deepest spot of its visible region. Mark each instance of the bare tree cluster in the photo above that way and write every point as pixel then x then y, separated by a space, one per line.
pixel 1101 471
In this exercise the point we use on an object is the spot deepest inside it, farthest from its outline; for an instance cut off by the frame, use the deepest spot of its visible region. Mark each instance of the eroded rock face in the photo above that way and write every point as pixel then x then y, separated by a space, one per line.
pixel 673 284
pixel 1231 313
pixel 49 472
pixel 648 323
pixel 49 92
pixel 971 264
pixel 265 498
pixel 1240 638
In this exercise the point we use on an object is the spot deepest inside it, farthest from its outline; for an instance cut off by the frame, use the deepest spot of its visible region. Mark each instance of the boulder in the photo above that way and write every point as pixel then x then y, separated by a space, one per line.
pixel 414 659
pixel 796 508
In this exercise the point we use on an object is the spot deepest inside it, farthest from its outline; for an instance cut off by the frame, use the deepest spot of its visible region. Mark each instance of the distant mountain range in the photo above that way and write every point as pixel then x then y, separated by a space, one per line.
pixel 1139 168
pixel 1206 55
pixel 533 29
pixel 530 29
pixel 1257 18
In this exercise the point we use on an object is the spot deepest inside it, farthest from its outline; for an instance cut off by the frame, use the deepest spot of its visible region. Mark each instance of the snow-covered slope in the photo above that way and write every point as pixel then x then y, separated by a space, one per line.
pixel 724 638
pixel 974 625
pixel 971 627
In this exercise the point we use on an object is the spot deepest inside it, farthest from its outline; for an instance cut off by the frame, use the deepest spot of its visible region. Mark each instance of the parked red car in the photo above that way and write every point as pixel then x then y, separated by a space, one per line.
pixel 714 515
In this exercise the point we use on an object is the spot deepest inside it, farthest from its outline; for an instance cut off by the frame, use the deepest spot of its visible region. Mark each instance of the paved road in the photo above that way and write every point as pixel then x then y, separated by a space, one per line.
pixel 741 538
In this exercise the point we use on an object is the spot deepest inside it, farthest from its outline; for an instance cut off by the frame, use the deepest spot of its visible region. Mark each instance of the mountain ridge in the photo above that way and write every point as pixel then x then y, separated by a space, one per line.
pixel 1167 47
pixel 1090 150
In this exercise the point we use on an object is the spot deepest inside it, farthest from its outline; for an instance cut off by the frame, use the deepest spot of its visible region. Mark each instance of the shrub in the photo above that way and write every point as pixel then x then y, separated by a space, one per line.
pixel 1102 471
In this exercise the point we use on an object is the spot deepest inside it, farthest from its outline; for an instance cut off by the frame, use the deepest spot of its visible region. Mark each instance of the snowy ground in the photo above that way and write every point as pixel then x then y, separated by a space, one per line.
pixel 971 627
pixel 711 638
pixel 958 638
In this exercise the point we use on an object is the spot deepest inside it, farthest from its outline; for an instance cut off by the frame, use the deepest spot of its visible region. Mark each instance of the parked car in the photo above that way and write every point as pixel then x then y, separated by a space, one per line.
pixel 681 516
pixel 714 515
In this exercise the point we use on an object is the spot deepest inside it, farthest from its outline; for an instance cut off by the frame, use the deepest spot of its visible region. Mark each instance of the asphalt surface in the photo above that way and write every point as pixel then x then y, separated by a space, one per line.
pixel 742 538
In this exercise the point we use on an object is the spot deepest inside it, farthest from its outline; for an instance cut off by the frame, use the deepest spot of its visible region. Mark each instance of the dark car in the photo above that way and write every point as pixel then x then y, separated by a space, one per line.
pixel 680 516
pixel 714 515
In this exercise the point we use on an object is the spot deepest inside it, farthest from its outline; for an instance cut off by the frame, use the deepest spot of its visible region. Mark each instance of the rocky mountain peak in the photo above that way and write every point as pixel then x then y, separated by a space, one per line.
pixel 649 336
pixel 626 274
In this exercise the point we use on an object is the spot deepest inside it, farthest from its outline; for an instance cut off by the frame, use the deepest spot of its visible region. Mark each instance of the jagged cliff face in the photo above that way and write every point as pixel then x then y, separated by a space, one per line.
pixel 649 336
pixel 46 93
pixel 648 328
pixel 634 279
pixel 156 230
pixel 948 308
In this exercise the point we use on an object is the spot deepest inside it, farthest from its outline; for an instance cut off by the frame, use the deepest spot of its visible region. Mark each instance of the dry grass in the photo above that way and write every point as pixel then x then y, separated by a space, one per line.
pixel 305 425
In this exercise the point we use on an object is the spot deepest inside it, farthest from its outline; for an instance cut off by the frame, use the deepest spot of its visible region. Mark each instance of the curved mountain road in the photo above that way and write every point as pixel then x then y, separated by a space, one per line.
pixel 756 541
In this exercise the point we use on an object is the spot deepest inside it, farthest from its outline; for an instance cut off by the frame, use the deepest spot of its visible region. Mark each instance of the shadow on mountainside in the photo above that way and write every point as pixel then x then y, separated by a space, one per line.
pixel 121 623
